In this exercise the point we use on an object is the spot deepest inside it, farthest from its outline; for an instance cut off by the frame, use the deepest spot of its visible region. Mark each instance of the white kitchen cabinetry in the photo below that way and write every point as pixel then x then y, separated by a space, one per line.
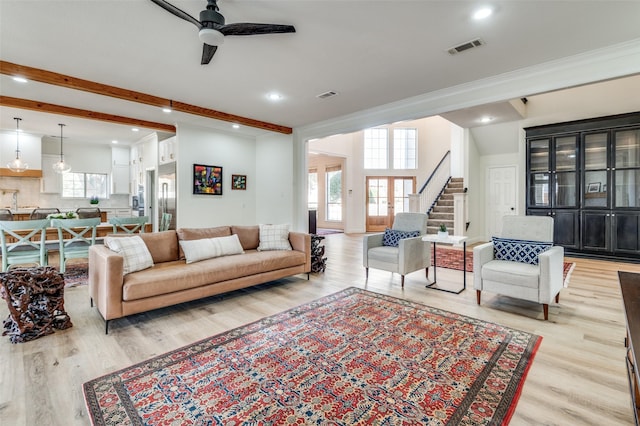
pixel 167 150
pixel 50 182
pixel 120 171
pixel 115 212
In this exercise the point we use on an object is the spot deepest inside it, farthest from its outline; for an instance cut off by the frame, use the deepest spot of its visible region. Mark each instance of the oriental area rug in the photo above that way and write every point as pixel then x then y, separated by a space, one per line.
pixel 354 357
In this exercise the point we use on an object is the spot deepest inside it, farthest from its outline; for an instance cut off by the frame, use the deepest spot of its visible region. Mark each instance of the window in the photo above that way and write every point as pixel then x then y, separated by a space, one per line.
pixel 334 193
pixel 312 194
pixel 404 148
pixel 84 185
pixel 376 149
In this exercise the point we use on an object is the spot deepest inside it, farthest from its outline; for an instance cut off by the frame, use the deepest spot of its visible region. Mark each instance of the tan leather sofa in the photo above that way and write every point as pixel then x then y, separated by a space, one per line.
pixel 171 280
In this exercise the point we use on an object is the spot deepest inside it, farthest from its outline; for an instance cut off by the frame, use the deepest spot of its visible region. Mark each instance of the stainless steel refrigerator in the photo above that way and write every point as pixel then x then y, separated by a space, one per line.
pixel 167 193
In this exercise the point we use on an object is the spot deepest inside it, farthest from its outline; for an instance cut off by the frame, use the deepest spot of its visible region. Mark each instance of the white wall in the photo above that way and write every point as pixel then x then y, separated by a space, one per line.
pixel 236 154
pixel 274 182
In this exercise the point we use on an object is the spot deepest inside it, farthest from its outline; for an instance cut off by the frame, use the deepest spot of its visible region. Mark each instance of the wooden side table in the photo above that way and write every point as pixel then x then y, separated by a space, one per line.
pixel 35 297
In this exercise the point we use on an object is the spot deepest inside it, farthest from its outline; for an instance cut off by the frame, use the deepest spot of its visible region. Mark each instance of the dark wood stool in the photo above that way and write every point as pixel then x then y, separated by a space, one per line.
pixel 35 297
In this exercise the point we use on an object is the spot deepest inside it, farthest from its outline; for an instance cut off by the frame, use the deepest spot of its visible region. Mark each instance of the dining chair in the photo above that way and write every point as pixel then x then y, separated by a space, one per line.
pixel 165 221
pixel 5 214
pixel 82 234
pixel 87 212
pixel 129 225
pixel 42 213
pixel 28 246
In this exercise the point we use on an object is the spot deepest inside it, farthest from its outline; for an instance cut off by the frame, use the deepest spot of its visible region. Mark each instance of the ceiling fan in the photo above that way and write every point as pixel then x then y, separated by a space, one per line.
pixel 213 29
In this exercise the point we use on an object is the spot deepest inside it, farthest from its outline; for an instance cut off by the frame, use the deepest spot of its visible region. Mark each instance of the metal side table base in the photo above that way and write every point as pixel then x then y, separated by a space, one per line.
pixel 449 240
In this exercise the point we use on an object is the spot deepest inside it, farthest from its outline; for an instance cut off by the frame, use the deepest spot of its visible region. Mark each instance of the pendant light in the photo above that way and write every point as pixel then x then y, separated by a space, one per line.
pixel 61 166
pixel 17 165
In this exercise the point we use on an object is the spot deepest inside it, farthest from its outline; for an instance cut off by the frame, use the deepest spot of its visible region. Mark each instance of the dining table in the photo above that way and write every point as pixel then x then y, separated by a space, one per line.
pixel 51 234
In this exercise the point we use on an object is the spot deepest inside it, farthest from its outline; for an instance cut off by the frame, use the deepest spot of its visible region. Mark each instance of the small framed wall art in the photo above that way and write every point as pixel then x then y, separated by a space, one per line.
pixel 207 180
pixel 239 182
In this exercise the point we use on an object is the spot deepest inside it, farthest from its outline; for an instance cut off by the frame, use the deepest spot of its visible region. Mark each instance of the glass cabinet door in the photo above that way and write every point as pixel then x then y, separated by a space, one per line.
pixel 565 153
pixel 596 175
pixel 564 171
pixel 539 155
pixel 539 190
pixel 627 168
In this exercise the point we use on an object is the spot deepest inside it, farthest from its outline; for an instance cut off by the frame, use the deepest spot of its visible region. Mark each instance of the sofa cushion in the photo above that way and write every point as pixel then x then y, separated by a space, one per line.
pixel 175 276
pixel 163 246
pixel 392 237
pixel 514 273
pixel 206 248
pixel 274 237
pixel 249 236
pixel 187 234
pixel 134 251
pixel 519 250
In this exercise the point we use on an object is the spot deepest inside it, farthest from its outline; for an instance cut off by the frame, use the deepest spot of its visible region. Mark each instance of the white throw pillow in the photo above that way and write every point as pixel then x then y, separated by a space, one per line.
pixel 206 248
pixel 274 237
pixel 135 252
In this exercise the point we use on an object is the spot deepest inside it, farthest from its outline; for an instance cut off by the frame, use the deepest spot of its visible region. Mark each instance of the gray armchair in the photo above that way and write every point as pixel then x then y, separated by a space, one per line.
pixel 411 254
pixel 539 282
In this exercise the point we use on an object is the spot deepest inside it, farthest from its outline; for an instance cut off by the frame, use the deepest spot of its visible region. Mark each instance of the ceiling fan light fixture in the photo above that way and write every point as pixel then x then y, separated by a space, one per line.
pixel 211 37
pixel 61 166
pixel 17 164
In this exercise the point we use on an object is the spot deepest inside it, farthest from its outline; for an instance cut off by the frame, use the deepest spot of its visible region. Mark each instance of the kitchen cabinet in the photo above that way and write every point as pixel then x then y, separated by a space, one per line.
pixel 120 173
pixel 167 150
pixel 586 174
pixel 51 182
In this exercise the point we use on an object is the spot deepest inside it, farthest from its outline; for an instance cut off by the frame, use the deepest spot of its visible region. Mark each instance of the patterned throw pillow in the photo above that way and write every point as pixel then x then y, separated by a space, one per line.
pixel 274 237
pixel 519 250
pixel 392 237
pixel 135 252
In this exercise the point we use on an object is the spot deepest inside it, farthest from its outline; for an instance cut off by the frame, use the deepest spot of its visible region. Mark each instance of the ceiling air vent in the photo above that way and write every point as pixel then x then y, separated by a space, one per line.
pixel 326 95
pixel 466 46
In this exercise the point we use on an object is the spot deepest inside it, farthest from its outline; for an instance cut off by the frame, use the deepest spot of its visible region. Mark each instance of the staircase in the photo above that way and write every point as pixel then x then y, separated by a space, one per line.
pixel 443 210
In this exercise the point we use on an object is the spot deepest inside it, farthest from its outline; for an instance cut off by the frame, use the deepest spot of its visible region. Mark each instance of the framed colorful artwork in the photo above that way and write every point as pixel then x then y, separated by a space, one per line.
pixel 239 182
pixel 207 180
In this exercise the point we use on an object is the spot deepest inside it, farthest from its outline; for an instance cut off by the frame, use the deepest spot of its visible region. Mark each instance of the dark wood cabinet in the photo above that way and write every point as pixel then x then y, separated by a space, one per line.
pixel 586 175
pixel 630 289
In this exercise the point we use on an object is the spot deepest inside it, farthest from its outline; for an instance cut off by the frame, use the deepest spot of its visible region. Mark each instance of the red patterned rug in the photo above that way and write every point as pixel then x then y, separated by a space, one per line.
pixel 76 274
pixel 452 258
pixel 354 357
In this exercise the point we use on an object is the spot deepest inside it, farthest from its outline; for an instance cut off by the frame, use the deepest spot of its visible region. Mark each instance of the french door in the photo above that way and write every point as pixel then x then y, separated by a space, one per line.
pixel 386 196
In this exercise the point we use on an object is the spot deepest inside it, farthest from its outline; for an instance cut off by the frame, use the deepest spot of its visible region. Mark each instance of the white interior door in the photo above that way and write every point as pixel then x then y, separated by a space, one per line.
pixel 501 197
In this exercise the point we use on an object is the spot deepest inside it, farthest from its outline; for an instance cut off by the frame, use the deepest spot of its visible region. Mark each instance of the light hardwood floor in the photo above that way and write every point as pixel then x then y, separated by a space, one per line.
pixel 578 376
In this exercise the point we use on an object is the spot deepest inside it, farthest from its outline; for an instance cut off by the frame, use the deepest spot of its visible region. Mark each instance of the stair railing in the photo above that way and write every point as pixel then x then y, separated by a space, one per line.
pixel 435 184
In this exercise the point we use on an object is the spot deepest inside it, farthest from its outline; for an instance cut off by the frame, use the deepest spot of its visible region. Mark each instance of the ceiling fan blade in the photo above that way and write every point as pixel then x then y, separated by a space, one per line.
pixel 246 28
pixel 207 53
pixel 177 12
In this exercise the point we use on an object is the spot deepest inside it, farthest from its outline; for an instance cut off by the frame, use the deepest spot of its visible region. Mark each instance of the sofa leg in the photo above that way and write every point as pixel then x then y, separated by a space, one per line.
pixel 478 296
pixel 558 298
pixel 106 326
pixel 402 280
pixel 91 298
pixel 308 276
pixel 545 309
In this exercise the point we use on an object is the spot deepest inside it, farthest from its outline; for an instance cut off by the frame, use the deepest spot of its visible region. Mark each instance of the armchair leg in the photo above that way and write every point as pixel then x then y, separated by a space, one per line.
pixel 427 272
pixel 402 281
pixel 478 296
pixel 545 309
pixel 558 298
pixel 91 299
pixel 366 273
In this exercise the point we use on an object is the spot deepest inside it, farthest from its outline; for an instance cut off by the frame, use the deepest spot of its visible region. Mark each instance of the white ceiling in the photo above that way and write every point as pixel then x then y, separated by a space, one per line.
pixel 370 52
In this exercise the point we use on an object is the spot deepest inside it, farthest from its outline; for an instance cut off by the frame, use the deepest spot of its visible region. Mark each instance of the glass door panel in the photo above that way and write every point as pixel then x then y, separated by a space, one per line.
pixel 565 195
pixel 565 153
pixel 595 188
pixel 595 151
pixel 539 155
pixel 627 148
pixel 539 190
pixel 378 197
pixel 402 187
pixel 627 188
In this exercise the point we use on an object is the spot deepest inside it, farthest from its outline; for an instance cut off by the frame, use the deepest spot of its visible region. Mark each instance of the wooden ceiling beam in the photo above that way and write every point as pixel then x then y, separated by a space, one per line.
pixel 53 78
pixel 82 113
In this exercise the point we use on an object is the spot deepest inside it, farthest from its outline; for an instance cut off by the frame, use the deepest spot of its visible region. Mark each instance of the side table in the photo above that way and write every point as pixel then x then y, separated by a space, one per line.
pixel 35 297
pixel 450 239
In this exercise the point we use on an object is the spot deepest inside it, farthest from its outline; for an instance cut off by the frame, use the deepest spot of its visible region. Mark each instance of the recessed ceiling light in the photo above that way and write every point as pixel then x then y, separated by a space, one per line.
pixel 274 96
pixel 135 129
pixel 166 110
pixel 20 79
pixel 114 141
pixel 235 126
pixel 486 119
pixel 483 13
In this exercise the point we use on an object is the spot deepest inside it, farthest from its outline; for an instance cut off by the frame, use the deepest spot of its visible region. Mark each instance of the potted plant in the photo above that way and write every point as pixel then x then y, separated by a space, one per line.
pixel 94 200
pixel 442 231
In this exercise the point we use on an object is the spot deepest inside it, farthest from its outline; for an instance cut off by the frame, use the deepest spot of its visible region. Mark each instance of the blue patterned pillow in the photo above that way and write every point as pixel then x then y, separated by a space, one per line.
pixel 392 237
pixel 519 250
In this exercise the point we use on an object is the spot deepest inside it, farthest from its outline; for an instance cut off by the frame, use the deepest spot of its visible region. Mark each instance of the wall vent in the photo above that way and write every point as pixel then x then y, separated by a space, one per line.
pixel 328 94
pixel 466 46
